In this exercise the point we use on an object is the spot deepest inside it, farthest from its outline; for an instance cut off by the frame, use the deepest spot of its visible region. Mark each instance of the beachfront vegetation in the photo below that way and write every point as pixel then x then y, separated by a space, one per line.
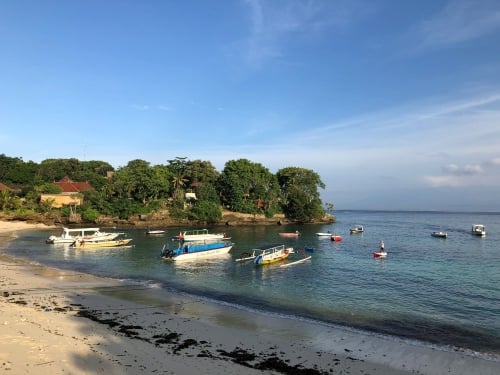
pixel 182 189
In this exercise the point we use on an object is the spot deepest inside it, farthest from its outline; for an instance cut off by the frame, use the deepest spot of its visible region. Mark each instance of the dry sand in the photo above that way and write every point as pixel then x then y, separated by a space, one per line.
pixel 61 322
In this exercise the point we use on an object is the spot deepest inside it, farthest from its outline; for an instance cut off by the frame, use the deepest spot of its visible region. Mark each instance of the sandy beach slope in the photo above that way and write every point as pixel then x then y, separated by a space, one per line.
pixel 62 322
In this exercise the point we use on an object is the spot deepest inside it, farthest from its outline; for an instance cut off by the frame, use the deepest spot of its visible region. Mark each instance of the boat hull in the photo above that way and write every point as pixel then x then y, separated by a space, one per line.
pixel 98 244
pixel 200 254
pixel 336 238
pixel 379 254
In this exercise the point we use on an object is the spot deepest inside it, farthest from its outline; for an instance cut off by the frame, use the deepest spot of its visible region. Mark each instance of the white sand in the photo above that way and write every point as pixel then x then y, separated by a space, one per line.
pixel 134 330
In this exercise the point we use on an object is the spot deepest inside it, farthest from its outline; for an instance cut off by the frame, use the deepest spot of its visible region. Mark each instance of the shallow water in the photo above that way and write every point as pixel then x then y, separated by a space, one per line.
pixel 441 291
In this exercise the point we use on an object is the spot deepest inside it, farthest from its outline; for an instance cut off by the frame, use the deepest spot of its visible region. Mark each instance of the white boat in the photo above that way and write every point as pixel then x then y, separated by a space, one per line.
pixel 478 230
pixel 155 231
pixel 199 235
pixel 196 250
pixel 357 229
pixel 439 234
pixel 70 235
pixel 324 234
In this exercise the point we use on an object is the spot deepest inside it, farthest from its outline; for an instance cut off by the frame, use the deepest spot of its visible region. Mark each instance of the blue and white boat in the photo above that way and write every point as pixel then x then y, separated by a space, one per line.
pixel 196 249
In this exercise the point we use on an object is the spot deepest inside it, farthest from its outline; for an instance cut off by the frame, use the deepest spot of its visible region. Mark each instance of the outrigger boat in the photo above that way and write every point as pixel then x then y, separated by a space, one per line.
pixel 273 253
pixel 93 244
pixel 70 235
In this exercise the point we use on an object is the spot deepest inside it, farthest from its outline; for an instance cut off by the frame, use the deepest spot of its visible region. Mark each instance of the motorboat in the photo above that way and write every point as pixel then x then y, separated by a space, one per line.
pixel 199 235
pixel 324 234
pixel 155 231
pixel 357 229
pixel 380 254
pixel 439 234
pixel 478 230
pixel 336 237
pixel 70 235
pixel 196 249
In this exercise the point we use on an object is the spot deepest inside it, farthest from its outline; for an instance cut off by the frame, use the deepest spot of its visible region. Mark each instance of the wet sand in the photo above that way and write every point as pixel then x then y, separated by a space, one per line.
pixel 62 322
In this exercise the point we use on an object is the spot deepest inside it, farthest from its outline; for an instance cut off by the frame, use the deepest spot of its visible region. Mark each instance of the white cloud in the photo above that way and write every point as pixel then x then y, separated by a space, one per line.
pixel 460 21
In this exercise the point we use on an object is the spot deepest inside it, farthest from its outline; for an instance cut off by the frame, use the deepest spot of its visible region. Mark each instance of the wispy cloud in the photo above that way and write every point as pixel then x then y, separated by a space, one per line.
pixel 275 24
pixel 147 107
pixel 460 21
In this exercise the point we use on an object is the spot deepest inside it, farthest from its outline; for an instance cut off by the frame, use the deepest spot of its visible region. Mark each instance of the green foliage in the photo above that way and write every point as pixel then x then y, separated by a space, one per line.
pixel 48 188
pixel 139 188
pixel 209 212
pixel 90 215
pixel 299 188
pixel 242 184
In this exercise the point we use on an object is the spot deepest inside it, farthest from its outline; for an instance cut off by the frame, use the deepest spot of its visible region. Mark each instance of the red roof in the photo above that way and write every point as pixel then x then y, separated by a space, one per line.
pixel 4 187
pixel 69 186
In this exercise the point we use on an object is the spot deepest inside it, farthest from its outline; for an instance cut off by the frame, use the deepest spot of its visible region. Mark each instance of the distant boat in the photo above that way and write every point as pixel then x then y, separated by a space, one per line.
pixel 336 238
pixel 380 254
pixel 196 250
pixel 290 234
pixel 155 231
pixel 357 229
pixel 324 234
pixel 439 234
pixel 478 230
pixel 199 235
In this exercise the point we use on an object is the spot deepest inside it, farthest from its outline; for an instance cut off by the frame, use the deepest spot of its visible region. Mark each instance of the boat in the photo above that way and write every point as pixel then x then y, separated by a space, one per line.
pixel 336 237
pixel 323 234
pixel 70 235
pixel 290 234
pixel 155 231
pixel 439 234
pixel 199 235
pixel 92 244
pixel 271 253
pixel 380 254
pixel 196 249
pixel 357 229
pixel 478 230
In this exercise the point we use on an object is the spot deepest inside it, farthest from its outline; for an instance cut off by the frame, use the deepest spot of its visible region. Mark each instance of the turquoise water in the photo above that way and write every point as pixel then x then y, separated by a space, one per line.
pixel 439 291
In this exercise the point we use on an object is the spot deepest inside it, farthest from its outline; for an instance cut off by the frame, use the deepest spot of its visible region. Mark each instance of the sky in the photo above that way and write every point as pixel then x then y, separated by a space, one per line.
pixel 395 104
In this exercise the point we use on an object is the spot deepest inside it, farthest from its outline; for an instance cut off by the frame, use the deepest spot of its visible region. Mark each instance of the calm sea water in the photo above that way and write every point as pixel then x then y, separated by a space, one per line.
pixel 437 291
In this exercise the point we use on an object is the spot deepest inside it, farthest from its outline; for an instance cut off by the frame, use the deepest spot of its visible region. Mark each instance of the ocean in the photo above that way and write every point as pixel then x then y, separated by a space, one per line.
pixel 431 291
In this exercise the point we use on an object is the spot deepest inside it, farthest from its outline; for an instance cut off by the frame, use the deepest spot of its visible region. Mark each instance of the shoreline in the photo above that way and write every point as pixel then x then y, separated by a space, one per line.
pixel 70 322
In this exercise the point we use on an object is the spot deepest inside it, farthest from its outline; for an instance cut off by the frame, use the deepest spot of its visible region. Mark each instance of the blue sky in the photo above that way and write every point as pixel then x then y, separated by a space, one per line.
pixel 395 104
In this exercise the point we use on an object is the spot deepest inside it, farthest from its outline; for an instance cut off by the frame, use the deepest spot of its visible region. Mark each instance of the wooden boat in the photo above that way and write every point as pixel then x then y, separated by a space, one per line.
pixel 92 244
pixel 200 235
pixel 336 237
pixel 478 230
pixel 70 235
pixel 271 253
pixel 439 234
pixel 357 229
pixel 290 234
pixel 380 254
pixel 196 250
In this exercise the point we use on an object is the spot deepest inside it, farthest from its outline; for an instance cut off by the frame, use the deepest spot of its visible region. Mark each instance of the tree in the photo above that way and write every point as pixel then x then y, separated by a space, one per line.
pixel 299 188
pixel 242 184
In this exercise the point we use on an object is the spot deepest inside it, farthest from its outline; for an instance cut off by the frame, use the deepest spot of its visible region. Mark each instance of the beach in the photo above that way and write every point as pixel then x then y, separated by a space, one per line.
pixel 66 322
